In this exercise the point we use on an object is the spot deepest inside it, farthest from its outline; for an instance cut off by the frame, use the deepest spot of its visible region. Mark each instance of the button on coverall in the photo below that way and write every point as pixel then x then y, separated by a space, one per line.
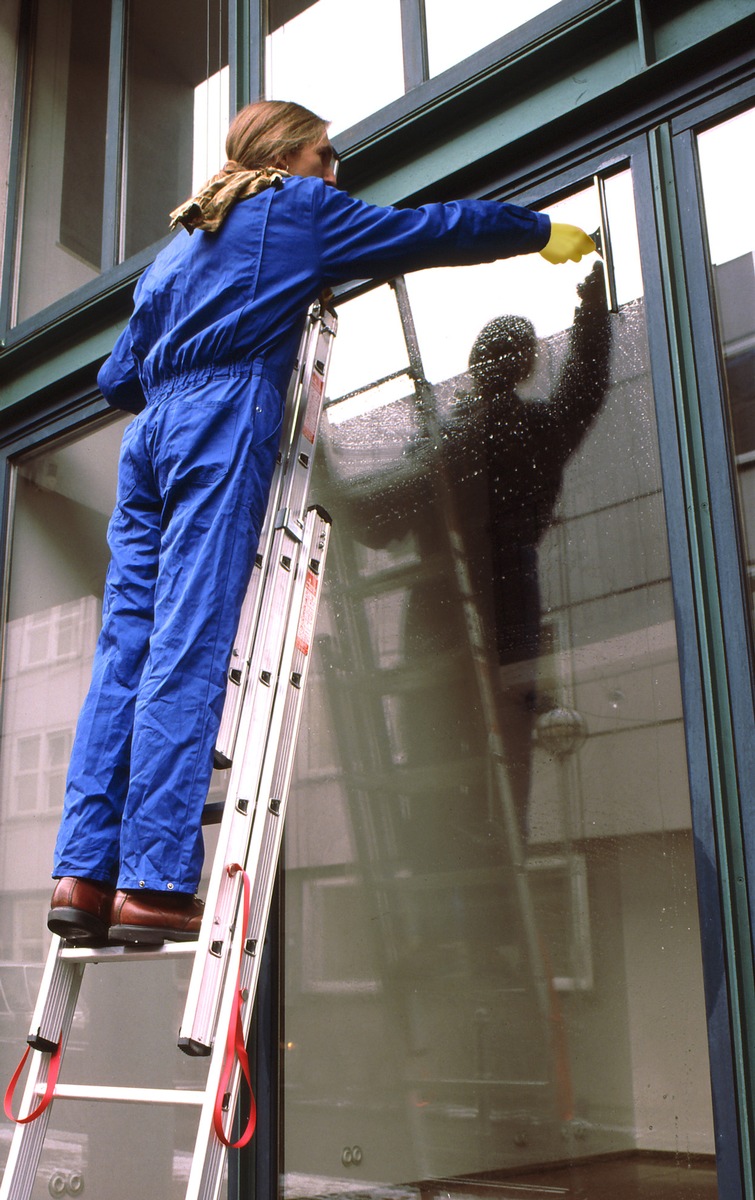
pixel 205 363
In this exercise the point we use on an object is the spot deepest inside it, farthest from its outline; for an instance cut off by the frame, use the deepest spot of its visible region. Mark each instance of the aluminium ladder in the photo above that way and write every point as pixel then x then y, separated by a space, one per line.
pixel 257 740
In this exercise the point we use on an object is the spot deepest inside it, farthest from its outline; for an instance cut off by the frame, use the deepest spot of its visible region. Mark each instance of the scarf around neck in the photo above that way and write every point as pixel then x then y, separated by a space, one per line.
pixel 212 203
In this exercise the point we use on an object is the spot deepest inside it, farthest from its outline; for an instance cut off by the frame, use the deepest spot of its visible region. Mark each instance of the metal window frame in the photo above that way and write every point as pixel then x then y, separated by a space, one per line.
pixel 721 575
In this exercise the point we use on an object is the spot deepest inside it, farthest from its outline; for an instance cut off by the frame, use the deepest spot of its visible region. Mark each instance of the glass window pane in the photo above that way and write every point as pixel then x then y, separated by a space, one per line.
pixel 8 53
pixel 728 177
pixel 450 39
pixel 61 214
pixel 490 889
pixel 177 110
pixel 340 59
pixel 124 1031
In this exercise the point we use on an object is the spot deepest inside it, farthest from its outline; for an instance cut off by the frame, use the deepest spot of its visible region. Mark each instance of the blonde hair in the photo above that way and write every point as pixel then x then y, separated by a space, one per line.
pixel 263 133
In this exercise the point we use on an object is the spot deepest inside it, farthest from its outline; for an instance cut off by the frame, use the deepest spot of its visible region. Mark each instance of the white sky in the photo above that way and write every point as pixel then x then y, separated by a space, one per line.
pixel 727 165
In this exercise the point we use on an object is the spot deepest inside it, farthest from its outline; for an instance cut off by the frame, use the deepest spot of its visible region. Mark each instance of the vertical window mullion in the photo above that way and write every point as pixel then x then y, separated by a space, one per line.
pixel 645 40
pixel 246 46
pixel 8 278
pixel 111 214
pixel 414 38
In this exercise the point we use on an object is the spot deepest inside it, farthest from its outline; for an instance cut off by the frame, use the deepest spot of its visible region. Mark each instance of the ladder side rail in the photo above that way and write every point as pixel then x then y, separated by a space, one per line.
pixel 240 807
pixel 296 485
pixel 275 785
pixel 61 981
pixel 287 504
pixel 240 662
pixel 264 853
pixel 208 1158
pixel 51 1022
pixel 240 829
pixel 234 835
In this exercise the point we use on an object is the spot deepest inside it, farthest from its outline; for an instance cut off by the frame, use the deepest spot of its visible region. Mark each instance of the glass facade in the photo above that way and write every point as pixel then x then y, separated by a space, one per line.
pixel 728 182
pixel 64 494
pixel 176 83
pixel 85 208
pixel 490 888
pixel 490 955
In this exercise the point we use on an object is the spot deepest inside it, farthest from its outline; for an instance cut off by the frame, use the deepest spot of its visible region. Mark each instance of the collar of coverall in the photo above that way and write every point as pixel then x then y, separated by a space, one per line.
pixel 212 203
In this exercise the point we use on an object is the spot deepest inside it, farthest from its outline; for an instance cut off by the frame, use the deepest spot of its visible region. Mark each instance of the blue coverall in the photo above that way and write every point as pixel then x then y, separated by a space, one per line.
pixel 205 362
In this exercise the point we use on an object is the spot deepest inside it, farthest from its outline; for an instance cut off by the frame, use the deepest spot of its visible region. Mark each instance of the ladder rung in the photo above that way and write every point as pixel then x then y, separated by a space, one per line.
pixel 124 1095
pixel 88 954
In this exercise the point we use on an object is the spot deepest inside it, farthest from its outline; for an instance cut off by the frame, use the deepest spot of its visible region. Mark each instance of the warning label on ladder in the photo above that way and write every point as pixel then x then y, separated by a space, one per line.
pixel 314 404
pixel 308 611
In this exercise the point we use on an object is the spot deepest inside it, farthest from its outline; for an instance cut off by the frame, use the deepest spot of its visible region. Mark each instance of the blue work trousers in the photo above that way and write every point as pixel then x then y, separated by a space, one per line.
pixel 193 483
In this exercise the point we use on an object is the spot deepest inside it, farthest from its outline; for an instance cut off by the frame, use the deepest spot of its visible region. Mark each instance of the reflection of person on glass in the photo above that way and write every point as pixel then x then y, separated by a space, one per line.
pixel 204 363
pixel 504 458
pixel 526 445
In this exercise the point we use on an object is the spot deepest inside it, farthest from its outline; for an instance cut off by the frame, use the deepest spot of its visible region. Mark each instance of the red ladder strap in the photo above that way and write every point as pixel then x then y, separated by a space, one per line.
pixel 235 1046
pixel 52 1079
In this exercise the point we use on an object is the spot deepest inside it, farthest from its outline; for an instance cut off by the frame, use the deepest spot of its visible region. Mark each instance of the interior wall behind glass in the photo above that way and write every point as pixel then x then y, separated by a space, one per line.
pixel 177 109
pixel 9 13
pixel 60 227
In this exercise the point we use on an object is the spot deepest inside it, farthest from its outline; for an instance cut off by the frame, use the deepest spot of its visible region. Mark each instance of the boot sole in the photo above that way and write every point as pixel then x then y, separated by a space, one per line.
pixel 148 935
pixel 76 925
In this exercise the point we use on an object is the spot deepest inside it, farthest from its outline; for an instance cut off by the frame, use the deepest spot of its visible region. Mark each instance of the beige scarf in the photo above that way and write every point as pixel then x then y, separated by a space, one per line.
pixel 212 203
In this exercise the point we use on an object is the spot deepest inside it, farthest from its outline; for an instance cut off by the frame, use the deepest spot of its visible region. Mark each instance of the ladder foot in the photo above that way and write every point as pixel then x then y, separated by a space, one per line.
pixel 37 1042
pixel 194 1049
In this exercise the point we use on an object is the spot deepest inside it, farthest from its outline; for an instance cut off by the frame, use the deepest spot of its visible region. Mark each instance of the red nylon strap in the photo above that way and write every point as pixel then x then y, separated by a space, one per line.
pixel 52 1079
pixel 235 1046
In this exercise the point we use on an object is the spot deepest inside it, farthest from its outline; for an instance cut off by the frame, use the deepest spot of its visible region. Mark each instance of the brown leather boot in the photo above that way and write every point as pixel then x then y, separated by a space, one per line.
pixel 80 910
pixel 154 917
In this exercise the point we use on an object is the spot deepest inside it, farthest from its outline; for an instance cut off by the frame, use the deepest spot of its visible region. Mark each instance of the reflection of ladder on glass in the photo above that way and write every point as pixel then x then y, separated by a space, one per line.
pixel 509 1102
pixel 257 740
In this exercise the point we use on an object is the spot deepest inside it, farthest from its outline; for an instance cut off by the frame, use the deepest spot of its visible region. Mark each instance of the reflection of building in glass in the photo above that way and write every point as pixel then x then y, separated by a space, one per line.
pixel 427 849
pixel 735 296
pixel 48 661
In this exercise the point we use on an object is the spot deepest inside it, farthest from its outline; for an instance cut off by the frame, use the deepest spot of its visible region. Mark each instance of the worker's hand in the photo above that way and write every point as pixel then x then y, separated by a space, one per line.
pixel 592 289
pixel 567 243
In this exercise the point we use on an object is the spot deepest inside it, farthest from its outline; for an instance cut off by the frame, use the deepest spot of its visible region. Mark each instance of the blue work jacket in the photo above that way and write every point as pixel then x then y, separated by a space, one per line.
pixel 238 296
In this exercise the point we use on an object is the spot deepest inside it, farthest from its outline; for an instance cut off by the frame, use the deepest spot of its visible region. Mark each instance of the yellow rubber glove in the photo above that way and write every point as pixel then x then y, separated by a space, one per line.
pixel 567 243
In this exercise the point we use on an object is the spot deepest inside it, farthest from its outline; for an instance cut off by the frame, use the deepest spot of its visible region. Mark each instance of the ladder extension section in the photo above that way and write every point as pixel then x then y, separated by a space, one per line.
pixel 285 508
pixel 257 740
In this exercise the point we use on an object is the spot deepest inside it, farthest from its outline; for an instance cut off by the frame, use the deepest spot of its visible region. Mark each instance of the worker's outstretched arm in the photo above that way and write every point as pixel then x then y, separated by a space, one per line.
pixel 567 243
